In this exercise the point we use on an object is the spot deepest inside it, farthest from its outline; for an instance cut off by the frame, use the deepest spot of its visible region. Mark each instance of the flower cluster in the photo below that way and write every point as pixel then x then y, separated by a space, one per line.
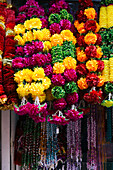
pixel 88 52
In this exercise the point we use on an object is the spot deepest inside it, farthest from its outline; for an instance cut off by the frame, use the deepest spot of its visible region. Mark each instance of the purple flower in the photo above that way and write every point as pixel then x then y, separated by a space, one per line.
pixel 57 79
pixel 21 18
pixel 72 98
pixel 48 58
pixel 65 24
pixel 55 28
pixel 37 46
pixel 48 70
pixel 34 11
pixel 32 3
pixel 19 51
pixel 70 75
pixel 59 104
pixel 18 62
pixel 44 22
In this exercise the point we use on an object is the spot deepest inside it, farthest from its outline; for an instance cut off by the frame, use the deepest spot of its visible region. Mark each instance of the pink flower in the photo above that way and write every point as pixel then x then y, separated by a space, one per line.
pixel 74 115
pixel 57 79
pixel 59 104
pixel 72 98
pixel 55 28
pixel 44 22
pixel 19 50
pixel 70 75
pixel 48 70
pixel 18 62
pixel 65 24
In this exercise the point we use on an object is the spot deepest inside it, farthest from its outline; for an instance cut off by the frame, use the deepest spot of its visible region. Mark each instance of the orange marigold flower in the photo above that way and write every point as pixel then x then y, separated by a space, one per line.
pixel 81 56
pixel 92 65
pixel 99 52
pixel 98 27
pixel 82 84
pixel 76 23
pixel 56 39
pixel 101 81
pixel 69 63
pixel 81 28
pixel 90 13
pixel 58 68
pixel 90 38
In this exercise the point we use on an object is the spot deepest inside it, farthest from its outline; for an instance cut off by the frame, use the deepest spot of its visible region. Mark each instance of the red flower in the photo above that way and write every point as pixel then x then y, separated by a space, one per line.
pixel 91 51
pixel 2 32
pixel 99 39
pixel 92 79
pixel 10 49
pixel 80 41
pixel 100 65
pixel 81 69
pixel 81 17
pixel 9 42
pixel 90 25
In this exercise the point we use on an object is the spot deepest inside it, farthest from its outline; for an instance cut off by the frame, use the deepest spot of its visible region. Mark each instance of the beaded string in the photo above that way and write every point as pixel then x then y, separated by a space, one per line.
pixel 68 146
pixel 74 146
pixel 88 141
pixel 112 122
pixel 80 150
pixel 109 126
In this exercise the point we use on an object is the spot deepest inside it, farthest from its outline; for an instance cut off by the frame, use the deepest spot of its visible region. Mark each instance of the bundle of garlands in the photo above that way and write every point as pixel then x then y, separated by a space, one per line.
pixel 89 53
pixel 106 14
pixel 31 60
pixel 7 50
pixel 64 89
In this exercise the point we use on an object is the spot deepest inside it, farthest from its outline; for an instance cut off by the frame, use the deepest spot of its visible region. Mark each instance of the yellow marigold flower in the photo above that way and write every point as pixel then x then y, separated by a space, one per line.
pixel 2 24
pixel 101 81
pixel 98 27
pixel 42 97
pixel 82 84
pixel 92 65
pixel 81 28
pixel 33 23
pixel 38 73
pixel 103 17
pixel 36 89
pixel 90 38
pixel 19 40
pixel 69 63
pixel 27 75
pixel 46 82
pixel 2 19
pixel 66 34
pixel 81 56
pixel 56 39
pixel 90 13
pixel 19 29
pixel 28 36
pixel 23 90
pixel 99 52
pixel 46 33
pixel 18 77
pixel 38 35
pixel 58 68
pixel 47 46
pixel 49 96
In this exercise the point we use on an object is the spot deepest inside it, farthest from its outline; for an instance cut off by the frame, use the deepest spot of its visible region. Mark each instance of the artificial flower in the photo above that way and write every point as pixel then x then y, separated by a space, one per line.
pixel 81 17
pixel 81 28
pixel 69 63
pixel 100 66
pixel 81 69
pixel 46 82
pixel 107 103
pixel 58 120
pixel 65 24
pixel 90 38
pixel 38 73
pixel 46 33
pixel 23 90
pixel 92 65
pixel 82 83
pixel 56 39
pixel 19 50
pixel 68 35
pixel 47 46
pixel 55 28
pixel 70 87
pixel 92 79
pixel 19 40
pixel 48 70
pixel 58 68
pixel 38 35
pixel 101 81
pixel 90 25
pixel 80 41
pixel 36 89
pixel 73 115
pixel 58 92
pixel 91 51
pixel 28 36
pixel 99 39
pixel 90 13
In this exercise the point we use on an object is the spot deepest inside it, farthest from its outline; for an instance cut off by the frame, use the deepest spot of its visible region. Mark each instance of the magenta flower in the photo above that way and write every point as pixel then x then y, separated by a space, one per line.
pixel 20 18
pixel 44 22
pixel 65 24
pixel 74 115
pixel 58 120
pixel 57 79
pixel 70 75
pixel 23 109
pixel 48 70
pixel 34 110
pixel 18 62
pixel 59 104
pixel 48 58
pixel 37 46
pixel 55 28
pixel 39 59
pixel 72 98
pixel 29 49
pixel 19 51
pixel 23 8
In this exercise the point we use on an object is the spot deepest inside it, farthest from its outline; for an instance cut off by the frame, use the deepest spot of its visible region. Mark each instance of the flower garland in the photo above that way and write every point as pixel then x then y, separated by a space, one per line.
pixel 3 97
pixel 89 53
pixel 32 60
pixel 64 89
